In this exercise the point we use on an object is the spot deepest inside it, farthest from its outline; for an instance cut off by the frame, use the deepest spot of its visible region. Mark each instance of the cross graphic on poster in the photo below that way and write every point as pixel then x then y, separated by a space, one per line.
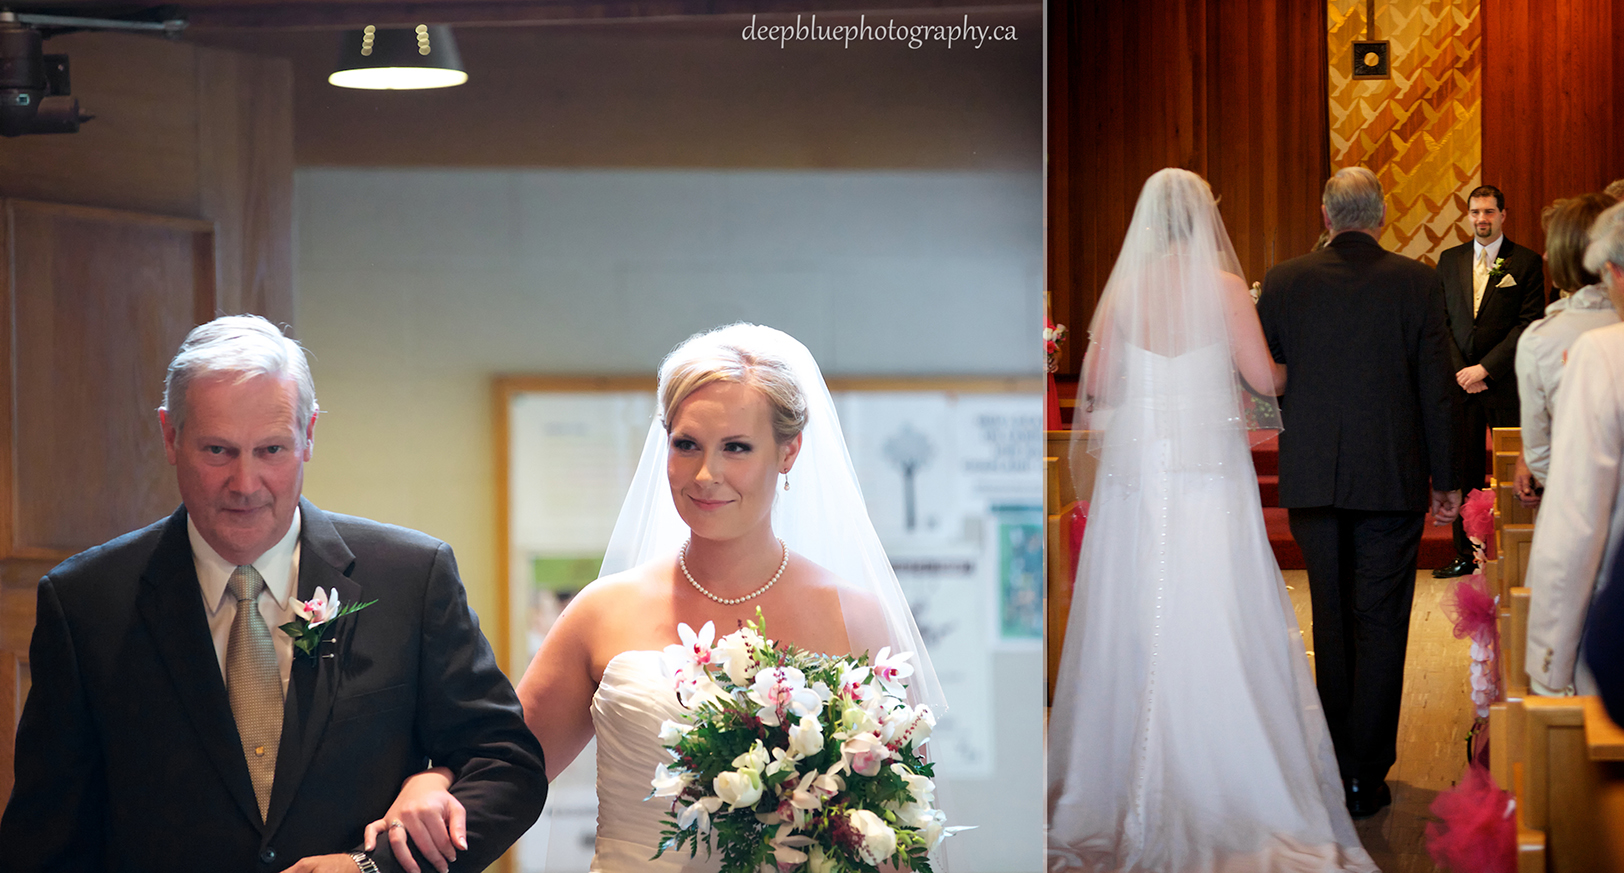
pixel 909 449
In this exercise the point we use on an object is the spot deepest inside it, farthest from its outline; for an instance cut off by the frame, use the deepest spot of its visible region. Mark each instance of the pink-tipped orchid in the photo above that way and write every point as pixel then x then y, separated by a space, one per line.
pixel 892 669
pixel 779 691
pixel 319 609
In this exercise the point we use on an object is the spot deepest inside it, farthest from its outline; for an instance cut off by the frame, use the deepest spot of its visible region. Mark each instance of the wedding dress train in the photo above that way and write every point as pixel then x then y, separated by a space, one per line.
pixel 1186 733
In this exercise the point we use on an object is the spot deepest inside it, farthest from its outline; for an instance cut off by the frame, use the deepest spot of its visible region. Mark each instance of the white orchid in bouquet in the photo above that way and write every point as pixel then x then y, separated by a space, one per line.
pixel 794 761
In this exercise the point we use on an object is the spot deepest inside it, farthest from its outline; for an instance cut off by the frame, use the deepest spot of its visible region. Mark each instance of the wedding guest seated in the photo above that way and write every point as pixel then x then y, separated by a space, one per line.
pixel 1543 347
pixel 1604 644
pixel 1570 559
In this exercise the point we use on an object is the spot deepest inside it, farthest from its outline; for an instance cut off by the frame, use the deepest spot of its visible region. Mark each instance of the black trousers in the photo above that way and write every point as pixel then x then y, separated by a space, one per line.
pixel 1472 469
pixel 1361 577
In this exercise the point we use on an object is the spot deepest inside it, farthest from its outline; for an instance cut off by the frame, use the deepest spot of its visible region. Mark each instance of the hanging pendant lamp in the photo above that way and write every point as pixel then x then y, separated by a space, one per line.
pixel 399 60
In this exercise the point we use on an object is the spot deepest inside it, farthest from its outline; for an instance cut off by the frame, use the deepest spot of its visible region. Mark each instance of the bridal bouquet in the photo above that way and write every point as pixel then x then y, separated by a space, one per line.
pixel 793 761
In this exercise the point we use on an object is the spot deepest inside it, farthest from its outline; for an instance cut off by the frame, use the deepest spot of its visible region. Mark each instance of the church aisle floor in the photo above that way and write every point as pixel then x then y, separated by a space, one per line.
pixel 1436 715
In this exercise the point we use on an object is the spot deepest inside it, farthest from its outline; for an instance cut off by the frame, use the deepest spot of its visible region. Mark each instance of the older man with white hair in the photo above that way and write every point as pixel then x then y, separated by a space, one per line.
pixel 1583 509
pixel 196 703
pixel 1369 413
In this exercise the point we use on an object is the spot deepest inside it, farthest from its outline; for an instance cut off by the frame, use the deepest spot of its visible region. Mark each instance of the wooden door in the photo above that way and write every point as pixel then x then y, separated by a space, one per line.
pixel 93 304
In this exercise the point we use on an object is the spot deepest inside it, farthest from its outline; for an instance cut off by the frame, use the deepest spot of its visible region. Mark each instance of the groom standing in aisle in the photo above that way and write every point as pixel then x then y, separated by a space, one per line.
pixel 1369 416
pixel 1493 288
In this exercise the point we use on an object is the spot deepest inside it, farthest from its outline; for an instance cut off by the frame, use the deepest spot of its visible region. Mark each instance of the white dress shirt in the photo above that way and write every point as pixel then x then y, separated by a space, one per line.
pixel 1582 512
pixel 279 567
pixel 1486 253
pixel 1540 355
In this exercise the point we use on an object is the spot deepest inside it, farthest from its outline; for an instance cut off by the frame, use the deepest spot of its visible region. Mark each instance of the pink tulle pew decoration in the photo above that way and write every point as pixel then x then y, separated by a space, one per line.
pixel 1471 606
pixel 1477 827
pixel 1477 517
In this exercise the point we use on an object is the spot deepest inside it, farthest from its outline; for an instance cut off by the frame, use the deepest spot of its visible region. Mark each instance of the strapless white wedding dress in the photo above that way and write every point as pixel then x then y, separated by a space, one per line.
pixel 634 697
pixel 1186 734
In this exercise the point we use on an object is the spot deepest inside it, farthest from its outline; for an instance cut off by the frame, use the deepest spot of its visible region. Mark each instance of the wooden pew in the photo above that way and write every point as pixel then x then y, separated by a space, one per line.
pixel 1516 541
pixel 1060 497
pixel 1514 645
pixel 1568 773
pixel 1509 509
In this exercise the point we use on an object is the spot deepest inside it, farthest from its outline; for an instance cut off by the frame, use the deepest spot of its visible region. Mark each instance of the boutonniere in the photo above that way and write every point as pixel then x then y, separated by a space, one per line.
pixel 1498 270
pixel 312 615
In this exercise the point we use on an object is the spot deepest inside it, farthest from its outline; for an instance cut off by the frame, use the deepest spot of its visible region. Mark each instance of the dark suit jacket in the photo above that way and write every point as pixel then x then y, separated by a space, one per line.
pixel 127 753
pixel 1368 409
pixel 1603 644
pixel 1490 339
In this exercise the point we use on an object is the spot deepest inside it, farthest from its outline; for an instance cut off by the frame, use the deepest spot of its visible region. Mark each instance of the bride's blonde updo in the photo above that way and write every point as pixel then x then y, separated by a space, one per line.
pixel 727 354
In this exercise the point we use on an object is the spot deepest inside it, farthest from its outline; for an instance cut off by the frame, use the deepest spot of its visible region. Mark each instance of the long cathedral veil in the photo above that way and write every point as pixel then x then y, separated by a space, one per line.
pixel 822 516
pixel 1165 296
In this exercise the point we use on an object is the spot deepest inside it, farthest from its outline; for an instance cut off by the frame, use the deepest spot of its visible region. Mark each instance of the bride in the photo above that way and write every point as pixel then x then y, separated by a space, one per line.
pixel 1186 733
pixel 745 498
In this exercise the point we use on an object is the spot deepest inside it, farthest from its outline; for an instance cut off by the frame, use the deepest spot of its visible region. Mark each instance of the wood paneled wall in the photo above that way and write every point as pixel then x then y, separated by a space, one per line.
pixel 1233 90
pixel 181 131
pixel 1553 104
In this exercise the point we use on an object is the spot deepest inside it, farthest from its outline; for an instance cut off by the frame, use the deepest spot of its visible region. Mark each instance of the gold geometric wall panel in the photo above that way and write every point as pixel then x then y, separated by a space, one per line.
pixel 1420 132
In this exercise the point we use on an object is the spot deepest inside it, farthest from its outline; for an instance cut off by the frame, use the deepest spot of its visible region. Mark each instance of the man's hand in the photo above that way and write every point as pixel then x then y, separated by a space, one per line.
pixel 1524 485
pixel 425 811
pixel 1445 507
pixel 1473 379
pixel 325 864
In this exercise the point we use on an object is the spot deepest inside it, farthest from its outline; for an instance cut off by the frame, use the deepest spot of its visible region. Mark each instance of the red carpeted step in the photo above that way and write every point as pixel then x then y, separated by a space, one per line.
pixel 1269 488
pixel 1285 548
pixel 1266 458
pixel 1437 542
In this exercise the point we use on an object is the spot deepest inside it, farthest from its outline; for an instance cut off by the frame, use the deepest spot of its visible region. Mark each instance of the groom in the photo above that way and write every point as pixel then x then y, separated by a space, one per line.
pixel 173 725
pixel 1369 417
pixel 1493 289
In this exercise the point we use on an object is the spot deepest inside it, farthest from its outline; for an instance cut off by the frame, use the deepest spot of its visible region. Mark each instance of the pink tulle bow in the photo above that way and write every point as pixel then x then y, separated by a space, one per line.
pixel 1477 827
pixel 1477 516
pixel 1471 607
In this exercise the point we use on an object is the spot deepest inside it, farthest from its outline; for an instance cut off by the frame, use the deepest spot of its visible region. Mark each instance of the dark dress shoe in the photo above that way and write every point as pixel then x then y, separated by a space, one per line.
pixel 1460 567
pixel 1366 797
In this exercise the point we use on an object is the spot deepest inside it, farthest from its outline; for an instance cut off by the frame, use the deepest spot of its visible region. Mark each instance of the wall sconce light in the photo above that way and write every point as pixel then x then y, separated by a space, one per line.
pixel 399 60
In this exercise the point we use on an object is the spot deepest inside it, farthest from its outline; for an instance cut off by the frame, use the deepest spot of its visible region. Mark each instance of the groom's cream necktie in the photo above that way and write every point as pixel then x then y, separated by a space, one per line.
pixel 254 683
pixel 1480 279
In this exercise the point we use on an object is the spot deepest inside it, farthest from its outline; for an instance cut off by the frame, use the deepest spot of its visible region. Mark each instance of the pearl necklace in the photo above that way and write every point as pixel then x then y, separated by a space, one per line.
pixel 682 561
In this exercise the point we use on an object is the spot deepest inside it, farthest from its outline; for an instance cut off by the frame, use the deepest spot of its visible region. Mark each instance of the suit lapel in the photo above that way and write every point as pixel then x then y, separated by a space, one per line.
pixel 325 562
pixel 1506 249
pixel 172 608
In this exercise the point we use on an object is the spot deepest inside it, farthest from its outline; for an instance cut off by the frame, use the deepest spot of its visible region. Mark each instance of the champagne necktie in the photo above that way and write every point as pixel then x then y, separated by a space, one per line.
pixel 254 683
pixel 1480 279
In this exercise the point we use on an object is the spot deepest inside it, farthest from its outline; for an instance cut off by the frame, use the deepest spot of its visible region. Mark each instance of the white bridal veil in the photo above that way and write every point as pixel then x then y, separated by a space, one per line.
pixel 822 516
pixel 1165 296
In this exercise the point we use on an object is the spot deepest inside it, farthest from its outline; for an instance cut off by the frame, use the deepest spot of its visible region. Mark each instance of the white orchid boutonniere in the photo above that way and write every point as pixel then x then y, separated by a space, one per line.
pixel 1498 271
pixel 311 615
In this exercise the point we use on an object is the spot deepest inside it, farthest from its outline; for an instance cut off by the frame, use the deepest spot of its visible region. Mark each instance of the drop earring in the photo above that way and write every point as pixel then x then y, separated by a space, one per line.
pixel 786 480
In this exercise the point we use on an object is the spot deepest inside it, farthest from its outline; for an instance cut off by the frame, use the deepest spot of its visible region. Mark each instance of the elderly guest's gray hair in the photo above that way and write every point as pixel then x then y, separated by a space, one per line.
pixel 1606 241
pixel 245 345
pixel 1353 200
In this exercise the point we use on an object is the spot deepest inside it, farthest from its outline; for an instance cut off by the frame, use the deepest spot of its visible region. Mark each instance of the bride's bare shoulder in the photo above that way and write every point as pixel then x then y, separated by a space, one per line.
pixel 858 610
pixel 620 593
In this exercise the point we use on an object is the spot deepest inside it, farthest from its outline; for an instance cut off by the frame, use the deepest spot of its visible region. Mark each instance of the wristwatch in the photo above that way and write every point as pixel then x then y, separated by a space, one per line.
pixel 364 861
